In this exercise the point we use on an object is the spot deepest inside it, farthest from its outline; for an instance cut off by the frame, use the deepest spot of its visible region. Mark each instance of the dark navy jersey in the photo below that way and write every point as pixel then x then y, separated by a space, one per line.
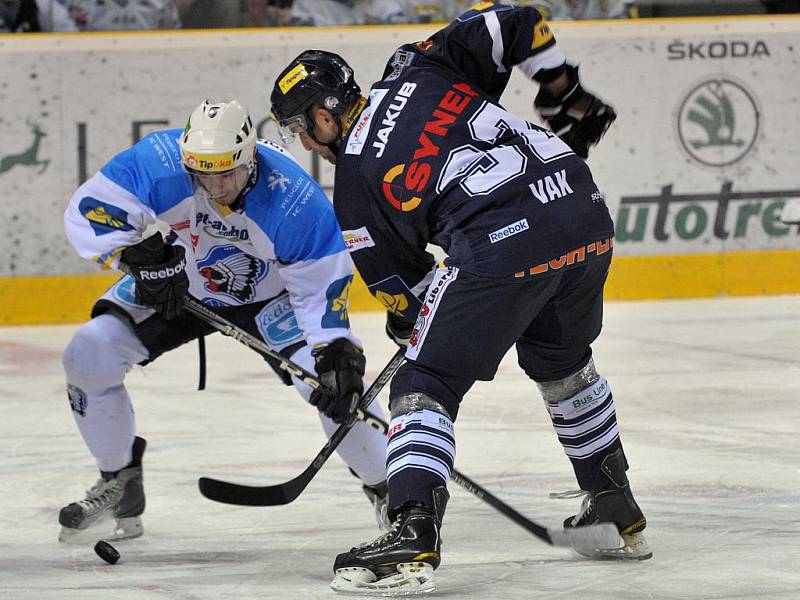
pixel 434 158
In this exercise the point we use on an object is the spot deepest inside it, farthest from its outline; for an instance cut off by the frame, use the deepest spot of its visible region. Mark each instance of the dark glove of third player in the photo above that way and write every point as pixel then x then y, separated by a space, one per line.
pixel 398 330
pixel 579 118
pixel 160 273
pixel 340 366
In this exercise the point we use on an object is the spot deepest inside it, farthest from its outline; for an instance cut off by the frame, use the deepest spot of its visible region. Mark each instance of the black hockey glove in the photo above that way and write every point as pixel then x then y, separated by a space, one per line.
pixel 398 330
pixel 340 366
pixel 579 118
pixel 160 273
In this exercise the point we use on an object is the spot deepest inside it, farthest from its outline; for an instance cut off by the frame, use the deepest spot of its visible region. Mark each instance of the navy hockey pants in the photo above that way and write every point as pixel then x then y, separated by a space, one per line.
pixel 468 323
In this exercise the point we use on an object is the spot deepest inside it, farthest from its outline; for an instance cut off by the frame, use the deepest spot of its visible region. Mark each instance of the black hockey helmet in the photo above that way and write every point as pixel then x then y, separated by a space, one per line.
pixel 314 78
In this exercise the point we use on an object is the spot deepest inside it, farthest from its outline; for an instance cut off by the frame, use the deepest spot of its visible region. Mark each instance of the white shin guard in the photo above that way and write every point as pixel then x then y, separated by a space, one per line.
pixel 96 361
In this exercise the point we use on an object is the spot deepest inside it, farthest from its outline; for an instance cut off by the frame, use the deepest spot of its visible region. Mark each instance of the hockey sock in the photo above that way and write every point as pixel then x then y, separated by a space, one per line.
pixel 586 425
pixel 419 456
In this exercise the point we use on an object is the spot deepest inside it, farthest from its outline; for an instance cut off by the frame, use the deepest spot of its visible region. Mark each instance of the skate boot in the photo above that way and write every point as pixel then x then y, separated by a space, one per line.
pixel 615 505
pixel 400 562
pixel 379 497
pixel 117 495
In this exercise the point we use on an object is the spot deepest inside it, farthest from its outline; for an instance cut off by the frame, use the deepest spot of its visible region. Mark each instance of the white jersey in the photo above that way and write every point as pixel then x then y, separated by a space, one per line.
pixel 118 15
pixel 285 237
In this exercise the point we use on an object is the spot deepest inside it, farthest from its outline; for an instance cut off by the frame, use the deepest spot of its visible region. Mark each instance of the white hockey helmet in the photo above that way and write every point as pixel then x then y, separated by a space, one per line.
pixel 219 140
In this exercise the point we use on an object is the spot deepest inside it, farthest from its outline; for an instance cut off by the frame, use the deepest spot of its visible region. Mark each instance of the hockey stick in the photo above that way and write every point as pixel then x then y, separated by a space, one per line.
pixel 284 493
pixel 602 535
pixel 225 327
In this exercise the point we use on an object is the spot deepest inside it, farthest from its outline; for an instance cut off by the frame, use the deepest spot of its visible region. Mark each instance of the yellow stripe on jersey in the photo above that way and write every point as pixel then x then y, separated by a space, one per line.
pixel 542 35
pixel 105 260
pixel 482 5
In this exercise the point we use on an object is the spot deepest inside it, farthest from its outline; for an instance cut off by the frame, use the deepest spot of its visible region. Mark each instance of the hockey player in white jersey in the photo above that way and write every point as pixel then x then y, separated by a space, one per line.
pixel 256 239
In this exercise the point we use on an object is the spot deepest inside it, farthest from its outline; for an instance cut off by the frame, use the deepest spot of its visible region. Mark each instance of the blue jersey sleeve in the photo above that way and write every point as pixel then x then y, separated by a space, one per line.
pixel 152 171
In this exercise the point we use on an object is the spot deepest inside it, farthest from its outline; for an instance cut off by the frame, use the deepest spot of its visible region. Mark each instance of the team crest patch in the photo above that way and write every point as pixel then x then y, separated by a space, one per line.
pixel 396 297
pixel 230 272
pixel 124 291
pixel 277 323
pixel 336 314
pixel 103 217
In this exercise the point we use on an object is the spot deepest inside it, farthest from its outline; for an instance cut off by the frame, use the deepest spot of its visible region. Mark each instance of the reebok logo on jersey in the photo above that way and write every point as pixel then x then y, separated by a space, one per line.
pixel 390 120
pixel 356 239
pixel 508 231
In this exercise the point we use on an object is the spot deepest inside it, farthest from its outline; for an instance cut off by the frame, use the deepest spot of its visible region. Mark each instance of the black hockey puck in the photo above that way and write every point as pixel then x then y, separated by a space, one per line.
pixel 107 552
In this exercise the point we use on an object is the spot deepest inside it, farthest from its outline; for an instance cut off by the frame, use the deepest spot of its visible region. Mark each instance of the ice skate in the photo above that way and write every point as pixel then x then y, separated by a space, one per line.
pixel 616 505
pixel 379 497
pixel 400 562
pixel 118 496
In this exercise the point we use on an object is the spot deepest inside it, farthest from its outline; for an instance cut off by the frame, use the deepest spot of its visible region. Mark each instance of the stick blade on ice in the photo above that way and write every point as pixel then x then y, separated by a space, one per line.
pixel 249 495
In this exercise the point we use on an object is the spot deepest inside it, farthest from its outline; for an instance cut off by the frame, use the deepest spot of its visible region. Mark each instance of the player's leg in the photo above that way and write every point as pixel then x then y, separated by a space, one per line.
pixel 102 351
pixel 555 352
pixel 444 361
pixel 363 450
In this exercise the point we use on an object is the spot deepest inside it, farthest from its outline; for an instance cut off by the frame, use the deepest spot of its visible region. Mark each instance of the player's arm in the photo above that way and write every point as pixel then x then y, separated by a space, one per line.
pixel 485 43
pixel 574 114
pixel 318 272
pixel 314 263
pixel 395 274
pixel 104 216
pixel 105 222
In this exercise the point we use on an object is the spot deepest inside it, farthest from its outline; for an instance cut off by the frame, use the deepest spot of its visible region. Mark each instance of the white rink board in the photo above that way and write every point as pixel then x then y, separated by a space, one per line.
pixel 706 395
pixel 117 87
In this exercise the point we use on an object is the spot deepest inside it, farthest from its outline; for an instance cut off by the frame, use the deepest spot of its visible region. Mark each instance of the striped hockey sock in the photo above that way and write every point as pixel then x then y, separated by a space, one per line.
pixel 586 425
pixel 419 456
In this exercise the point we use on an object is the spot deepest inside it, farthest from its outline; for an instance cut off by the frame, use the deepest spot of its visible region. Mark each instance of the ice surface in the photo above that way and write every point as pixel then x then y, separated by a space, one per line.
pixel 708 400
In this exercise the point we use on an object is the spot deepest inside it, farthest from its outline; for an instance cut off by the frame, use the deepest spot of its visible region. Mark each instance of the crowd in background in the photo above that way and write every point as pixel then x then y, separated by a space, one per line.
pixel 116 15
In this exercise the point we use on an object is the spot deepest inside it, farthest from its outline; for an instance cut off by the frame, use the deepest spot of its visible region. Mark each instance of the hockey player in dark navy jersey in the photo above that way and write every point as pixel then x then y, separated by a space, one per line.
pixel 431 157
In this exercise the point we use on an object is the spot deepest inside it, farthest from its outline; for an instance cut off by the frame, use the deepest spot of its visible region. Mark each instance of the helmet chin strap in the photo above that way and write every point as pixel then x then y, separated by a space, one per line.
pixel 249 185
